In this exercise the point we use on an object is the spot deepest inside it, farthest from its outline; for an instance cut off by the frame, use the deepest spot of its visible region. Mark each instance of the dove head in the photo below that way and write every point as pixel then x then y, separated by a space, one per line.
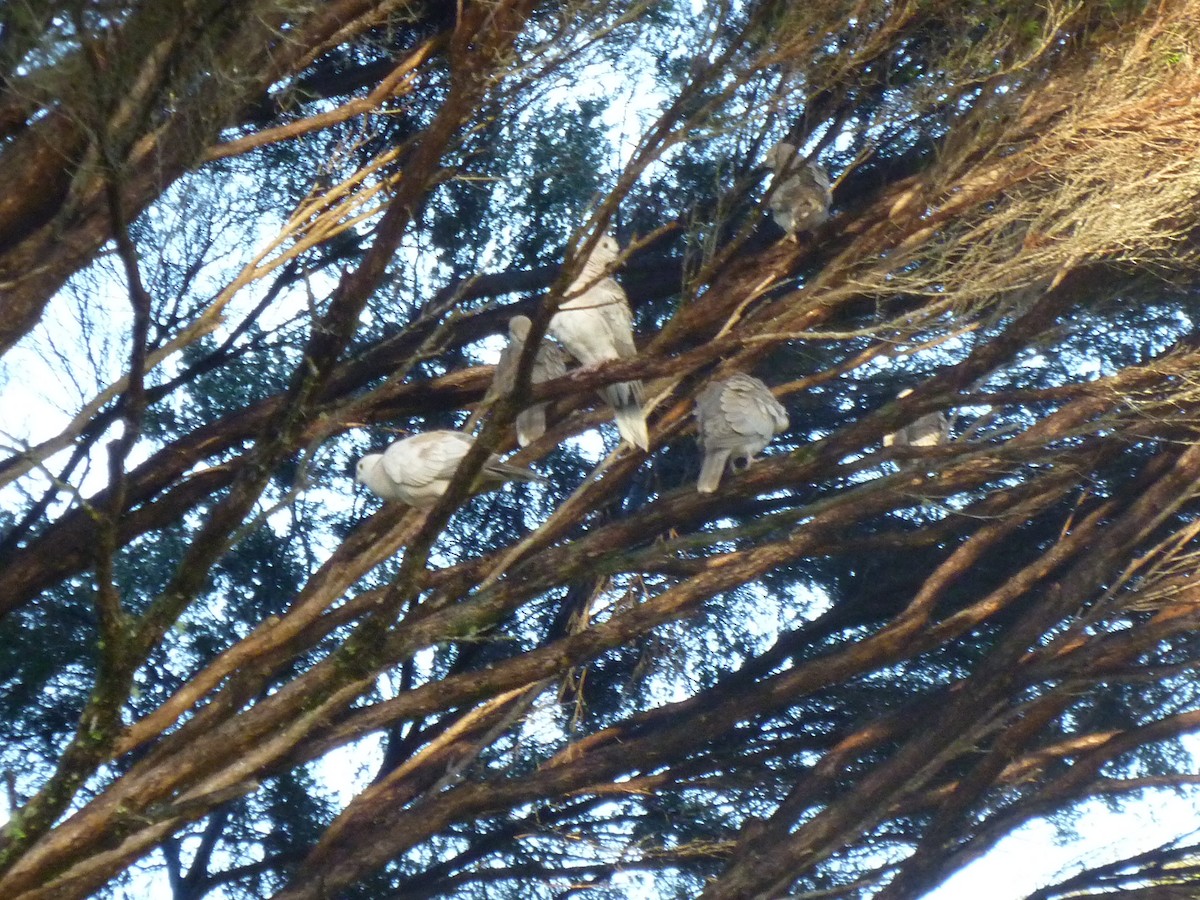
pixel 607 244
pixel 366 465
pixel 606 251
pixel 518 327
pixel 781 156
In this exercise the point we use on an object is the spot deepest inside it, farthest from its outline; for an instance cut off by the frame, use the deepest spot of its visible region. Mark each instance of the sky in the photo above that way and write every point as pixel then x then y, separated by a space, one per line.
pixel 1038 854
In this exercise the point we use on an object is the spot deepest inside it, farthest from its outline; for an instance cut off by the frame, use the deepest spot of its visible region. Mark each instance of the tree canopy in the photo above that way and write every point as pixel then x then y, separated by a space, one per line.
pixel 243 244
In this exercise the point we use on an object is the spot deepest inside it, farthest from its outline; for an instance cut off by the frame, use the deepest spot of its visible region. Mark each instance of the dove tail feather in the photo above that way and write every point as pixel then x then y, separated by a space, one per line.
pixel 631 422
pixel 531 424
pixel 499 471
pixel 625 398
pixel 711 471
pixel 624 393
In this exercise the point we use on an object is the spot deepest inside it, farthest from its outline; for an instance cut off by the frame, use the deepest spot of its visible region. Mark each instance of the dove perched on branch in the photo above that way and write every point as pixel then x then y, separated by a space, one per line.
pixel 800 194
pixel 417 470
pixel 930 430
pixel 548 364
pixel 737 418
pixel 595 325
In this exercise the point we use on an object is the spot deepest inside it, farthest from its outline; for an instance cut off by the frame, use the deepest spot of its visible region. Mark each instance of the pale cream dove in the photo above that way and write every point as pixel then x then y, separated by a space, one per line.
pixel 417 470
pixel 800 194
pixel 595 325
pixel 930 430
pixel 737 418
pixel 548 364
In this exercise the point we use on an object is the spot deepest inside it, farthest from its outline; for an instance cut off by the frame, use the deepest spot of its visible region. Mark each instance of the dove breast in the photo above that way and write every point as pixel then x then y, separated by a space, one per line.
pixel 800 192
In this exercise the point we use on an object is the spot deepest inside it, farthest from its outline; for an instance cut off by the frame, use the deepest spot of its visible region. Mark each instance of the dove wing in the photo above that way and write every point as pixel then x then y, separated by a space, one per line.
pixel 617 316
pixel 549 363
pixel 425 458
pixel 506 371
pixel 750 410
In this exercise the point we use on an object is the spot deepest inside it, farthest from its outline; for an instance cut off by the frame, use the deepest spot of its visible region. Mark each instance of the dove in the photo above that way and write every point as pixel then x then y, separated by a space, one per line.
pixel 595 325
pixel 929 430
pixel 547 364
pixel 800 195
pixel 736 418
pixel 417 470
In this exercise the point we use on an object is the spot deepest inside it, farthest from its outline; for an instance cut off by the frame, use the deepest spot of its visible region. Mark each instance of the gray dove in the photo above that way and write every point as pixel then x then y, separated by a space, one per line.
pixel 417 470
pixel 737 418
pixel 547 365
pixel 800 193
pixel 929 430
pixel 595 325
